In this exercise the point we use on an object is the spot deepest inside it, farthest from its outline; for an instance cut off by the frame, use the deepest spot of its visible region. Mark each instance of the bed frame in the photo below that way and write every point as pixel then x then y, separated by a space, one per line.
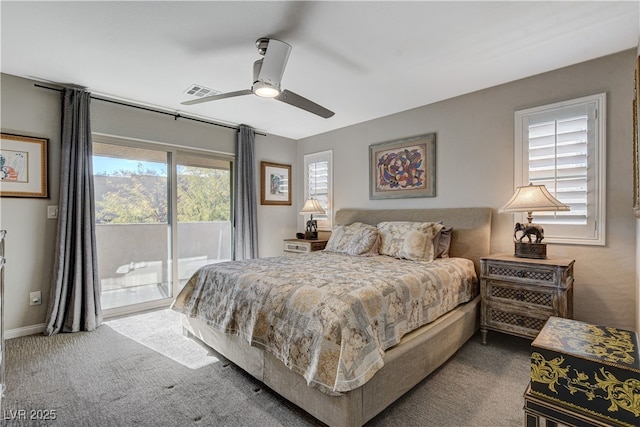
pixel 417 355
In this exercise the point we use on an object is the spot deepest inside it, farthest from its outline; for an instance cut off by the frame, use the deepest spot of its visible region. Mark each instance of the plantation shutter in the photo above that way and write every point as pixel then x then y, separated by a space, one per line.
pixel 318 185
pixel 559 159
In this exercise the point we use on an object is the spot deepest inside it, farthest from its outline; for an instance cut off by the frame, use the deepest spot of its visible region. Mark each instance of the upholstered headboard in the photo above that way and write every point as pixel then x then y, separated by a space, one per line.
pixel 471 236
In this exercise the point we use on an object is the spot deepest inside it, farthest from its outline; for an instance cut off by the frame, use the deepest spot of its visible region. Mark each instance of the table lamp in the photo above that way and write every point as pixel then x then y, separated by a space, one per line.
pixel 531 198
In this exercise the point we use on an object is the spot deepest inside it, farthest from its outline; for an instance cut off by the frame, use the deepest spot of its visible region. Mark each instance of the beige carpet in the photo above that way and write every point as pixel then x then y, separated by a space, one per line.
pixel 106 378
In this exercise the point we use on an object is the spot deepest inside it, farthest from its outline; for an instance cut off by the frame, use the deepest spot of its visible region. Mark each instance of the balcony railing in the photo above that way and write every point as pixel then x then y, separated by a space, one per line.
pixel 135 263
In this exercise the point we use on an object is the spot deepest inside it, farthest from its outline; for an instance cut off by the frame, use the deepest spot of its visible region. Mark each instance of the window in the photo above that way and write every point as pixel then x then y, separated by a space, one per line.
pixel 562 146
pixel 317 185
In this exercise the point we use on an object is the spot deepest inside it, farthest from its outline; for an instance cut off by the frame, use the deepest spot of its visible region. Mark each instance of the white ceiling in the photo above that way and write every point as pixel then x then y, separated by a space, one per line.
pixel 363 60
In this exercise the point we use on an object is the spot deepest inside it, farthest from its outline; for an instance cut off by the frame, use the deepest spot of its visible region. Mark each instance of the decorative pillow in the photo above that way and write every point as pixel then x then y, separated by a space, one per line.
pixel 355 239
pixel 442 242
pixel 409 240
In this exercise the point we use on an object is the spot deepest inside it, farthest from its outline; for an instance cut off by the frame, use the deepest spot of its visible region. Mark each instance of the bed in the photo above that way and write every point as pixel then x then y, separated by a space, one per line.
pixel 369 368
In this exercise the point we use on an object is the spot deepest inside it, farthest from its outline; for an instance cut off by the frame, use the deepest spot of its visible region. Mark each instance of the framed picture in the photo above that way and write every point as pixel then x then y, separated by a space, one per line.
pixel 275 184
pixel 23 166
pixel 403 168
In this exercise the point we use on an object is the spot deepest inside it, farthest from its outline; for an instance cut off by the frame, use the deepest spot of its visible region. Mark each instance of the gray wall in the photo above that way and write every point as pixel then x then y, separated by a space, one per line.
pixel 27 110
pixel 32 111
pixel 475 167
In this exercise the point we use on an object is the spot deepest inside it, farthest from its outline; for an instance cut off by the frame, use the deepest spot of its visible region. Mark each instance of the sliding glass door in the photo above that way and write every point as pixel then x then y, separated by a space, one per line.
pixel 204 212
pixel 132 224
pixel 142 191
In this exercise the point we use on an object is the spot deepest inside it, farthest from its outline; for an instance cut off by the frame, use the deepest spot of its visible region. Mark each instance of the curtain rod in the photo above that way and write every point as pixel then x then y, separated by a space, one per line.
pixel 175 116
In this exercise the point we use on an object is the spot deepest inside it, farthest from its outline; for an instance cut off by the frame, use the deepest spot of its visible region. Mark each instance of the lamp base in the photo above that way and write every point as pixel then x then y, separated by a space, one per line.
pixel 530 250
pixel 311 233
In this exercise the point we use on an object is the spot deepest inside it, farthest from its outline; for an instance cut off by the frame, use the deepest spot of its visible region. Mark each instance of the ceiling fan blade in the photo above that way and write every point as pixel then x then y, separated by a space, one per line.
pixel 275 59
pixel 219 96
pixel 296 100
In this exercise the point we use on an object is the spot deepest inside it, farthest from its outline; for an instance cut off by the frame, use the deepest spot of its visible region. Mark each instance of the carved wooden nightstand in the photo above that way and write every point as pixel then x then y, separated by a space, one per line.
pixel 519 294
pixel 302 246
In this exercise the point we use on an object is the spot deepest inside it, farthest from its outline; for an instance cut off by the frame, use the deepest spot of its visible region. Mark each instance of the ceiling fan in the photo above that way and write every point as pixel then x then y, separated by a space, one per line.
pixel 267 73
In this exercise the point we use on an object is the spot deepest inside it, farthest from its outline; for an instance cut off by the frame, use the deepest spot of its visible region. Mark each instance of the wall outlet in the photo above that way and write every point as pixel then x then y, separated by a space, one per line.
pixel 35 298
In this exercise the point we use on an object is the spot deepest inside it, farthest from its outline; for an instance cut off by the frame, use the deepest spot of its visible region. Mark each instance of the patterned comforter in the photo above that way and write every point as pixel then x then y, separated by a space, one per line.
pixel 329 317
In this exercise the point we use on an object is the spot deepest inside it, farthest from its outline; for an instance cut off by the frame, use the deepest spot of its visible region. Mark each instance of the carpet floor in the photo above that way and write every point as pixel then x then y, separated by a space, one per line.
pixel 117 376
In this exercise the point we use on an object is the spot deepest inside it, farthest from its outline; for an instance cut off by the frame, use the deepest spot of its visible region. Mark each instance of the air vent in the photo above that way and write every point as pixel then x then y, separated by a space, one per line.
pixel 199 91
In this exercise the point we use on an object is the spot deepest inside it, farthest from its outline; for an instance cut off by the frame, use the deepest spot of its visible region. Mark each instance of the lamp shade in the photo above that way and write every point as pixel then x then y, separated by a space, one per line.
pixel 533 198
pixel 312 206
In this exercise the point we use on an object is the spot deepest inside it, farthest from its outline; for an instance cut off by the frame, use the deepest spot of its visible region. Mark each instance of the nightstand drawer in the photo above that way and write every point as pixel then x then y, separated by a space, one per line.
pixel 301 246
pixel 508 271
pixel 297 247
pixel 523 324
pixel 509 292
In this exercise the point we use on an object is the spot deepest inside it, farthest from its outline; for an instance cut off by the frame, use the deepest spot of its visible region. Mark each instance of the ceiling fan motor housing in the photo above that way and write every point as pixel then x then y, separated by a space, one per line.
pixel 263 88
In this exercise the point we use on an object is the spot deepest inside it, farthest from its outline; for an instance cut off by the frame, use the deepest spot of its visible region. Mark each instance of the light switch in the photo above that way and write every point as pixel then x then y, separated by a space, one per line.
pixel 52 212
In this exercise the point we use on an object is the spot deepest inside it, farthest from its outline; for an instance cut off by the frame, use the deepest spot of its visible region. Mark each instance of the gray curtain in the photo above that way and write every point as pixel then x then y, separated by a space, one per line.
pixel 245 240
pixel 74 301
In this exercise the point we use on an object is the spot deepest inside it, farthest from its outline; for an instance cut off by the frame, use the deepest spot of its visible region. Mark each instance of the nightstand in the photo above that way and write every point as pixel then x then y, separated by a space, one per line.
pixel 519 294
pixel 302 246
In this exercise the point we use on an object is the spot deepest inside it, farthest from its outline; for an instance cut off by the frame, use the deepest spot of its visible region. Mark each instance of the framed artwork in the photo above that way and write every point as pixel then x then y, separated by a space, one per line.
pixel 275 184
pixel 403 168
pixel 23 166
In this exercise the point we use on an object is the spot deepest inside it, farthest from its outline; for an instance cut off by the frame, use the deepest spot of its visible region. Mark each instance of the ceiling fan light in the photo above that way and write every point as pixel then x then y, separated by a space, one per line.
pixel 265 90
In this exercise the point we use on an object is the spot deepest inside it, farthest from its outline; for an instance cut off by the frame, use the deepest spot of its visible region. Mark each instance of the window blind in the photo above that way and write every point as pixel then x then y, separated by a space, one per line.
pixel 318 184
pixel 559 159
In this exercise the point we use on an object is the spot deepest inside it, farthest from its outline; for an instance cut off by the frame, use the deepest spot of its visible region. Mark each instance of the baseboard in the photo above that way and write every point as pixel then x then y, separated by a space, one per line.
pixel 24 331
